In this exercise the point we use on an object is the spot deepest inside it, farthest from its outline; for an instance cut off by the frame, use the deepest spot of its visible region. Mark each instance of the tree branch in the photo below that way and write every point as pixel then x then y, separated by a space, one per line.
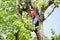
pixel 17 2
pixel 20 7
pixel 49 3
pixel 43 9
pixel 23 9
pixel 55 5
pixel 50 13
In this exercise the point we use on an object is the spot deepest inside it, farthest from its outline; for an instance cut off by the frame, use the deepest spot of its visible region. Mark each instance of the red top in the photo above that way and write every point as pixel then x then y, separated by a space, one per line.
pixel 32 13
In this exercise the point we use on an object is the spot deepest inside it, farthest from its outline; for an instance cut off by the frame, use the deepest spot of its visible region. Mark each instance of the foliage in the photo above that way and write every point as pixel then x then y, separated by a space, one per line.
pixel 54 36
pixel 10 23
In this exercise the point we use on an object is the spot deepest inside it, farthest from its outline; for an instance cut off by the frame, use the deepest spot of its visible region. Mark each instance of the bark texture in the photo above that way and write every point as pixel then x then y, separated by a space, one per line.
pixel 40 33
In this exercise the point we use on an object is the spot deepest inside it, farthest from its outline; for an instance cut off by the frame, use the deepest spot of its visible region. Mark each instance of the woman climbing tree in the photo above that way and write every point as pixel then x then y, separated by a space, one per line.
pixel 35 17
pixel 33 14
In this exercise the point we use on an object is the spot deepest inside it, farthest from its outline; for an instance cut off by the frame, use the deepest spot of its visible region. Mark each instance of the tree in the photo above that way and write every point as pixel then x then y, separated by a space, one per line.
pixel 44 6
pixel 20 28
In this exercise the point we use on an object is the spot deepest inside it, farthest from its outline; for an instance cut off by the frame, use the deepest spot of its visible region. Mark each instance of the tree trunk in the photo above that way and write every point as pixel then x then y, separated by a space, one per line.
pixel 16 35
pixel 40 33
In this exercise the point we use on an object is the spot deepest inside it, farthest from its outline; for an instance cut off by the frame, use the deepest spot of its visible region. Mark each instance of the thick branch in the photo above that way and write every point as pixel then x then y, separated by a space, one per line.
pixel 17 2
pixel 16 35
pixel 20 7
pixel 43 9
pixel 49 3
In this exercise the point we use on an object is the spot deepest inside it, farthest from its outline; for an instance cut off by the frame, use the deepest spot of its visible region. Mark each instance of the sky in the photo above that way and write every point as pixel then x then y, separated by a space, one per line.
pixel 53 21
